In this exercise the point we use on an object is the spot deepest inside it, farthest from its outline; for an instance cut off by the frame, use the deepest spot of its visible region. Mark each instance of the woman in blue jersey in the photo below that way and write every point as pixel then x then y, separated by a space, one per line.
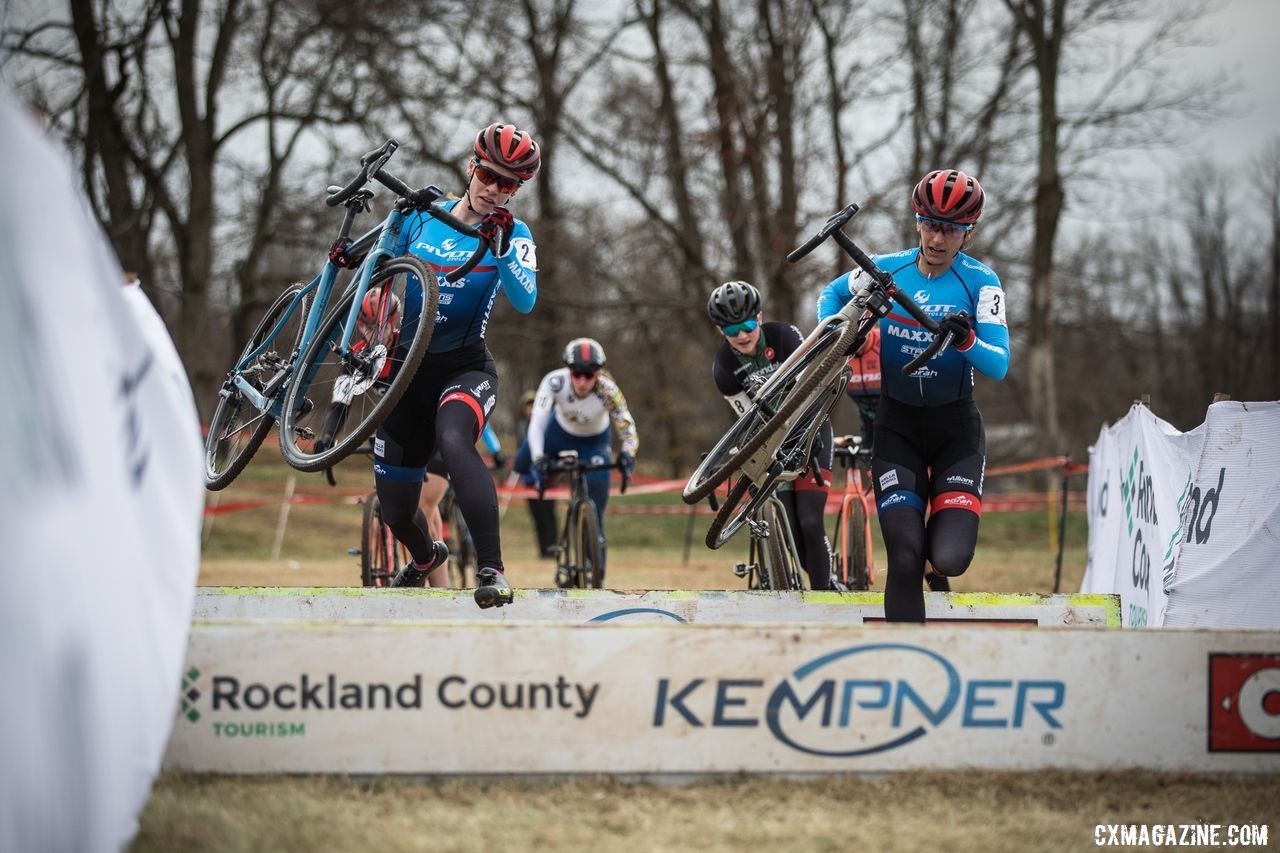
pixel 455 387
pixel 930 448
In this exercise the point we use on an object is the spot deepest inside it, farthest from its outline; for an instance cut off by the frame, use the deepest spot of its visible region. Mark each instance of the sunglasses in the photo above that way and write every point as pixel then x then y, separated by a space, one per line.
pixel 738 328
pixel 583 374
pixel 946 229
pixel 490 178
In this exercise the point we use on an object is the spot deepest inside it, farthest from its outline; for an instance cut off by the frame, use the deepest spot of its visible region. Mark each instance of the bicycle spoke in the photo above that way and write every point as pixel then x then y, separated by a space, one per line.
pixel 337 399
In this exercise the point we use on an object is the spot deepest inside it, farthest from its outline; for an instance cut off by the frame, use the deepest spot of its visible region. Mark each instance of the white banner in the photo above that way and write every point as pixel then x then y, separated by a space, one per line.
pixel 1154 500
pixel 669 606
pixel 1227 572
pixel 647 699
pixel 100 508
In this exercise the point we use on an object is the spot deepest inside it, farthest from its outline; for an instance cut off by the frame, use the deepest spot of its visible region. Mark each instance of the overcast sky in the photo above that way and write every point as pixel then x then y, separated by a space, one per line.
pixel 1251 43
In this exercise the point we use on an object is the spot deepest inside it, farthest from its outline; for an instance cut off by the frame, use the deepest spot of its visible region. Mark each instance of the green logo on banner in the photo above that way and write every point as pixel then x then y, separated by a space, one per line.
pixel 190 693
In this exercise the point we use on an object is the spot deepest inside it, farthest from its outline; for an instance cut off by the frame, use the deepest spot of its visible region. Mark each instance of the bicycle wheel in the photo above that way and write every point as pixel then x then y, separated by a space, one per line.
pixel 462 550
pixel 786 566
pixel 854 544
pixel 587 543
pixel 838 563
pixel 238 427
pixel 788 390
pixel 774 571
pixel 351 396
pixel 380 554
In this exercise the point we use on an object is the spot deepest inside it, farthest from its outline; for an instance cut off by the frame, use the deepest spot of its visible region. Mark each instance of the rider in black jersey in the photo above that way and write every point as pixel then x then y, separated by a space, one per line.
pixel 751 352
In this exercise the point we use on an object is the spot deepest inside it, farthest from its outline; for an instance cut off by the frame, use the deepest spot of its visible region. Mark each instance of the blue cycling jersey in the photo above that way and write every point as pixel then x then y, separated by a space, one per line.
pixel 465 305
pixel 967 286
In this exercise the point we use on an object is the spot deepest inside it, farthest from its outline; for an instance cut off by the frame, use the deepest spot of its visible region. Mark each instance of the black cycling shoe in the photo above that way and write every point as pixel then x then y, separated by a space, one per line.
pixel 492 589
pixel 412 576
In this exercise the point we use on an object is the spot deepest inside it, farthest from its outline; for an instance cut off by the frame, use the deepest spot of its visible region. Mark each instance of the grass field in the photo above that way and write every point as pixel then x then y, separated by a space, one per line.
pixel 645 551
pixel 914 811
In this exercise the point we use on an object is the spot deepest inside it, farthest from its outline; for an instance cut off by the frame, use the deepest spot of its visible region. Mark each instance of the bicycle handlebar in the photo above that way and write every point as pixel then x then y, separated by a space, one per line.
pixel 424 199
pixel 557 466
pixel 882 281
pixel 833 224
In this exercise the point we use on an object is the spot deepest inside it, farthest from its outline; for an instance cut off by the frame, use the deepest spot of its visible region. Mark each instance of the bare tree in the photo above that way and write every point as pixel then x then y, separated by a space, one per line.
pixel 1115 104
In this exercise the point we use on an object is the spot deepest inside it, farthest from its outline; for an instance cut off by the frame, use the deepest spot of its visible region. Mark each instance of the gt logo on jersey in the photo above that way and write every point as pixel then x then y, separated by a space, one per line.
pixel 991 306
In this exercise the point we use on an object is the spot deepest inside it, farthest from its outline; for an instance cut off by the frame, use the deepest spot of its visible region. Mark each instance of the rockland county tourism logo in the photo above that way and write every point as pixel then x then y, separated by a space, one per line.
pixel 233 706
pixel 862 700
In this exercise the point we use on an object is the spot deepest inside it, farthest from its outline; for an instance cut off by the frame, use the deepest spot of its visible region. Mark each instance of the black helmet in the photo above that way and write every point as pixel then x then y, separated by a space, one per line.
pixel 733 302
pixel 584 355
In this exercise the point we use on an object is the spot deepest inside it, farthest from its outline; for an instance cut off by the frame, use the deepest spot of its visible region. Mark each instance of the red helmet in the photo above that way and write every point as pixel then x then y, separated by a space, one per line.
pixel 510 148
pixel 949 195
pixel 374 307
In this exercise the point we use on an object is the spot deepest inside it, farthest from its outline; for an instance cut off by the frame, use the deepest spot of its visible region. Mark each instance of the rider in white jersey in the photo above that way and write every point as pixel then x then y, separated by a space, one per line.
pixel 572 411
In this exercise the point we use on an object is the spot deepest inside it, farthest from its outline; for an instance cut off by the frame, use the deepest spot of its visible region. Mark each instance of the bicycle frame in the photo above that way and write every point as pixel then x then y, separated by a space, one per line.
pixel 385 234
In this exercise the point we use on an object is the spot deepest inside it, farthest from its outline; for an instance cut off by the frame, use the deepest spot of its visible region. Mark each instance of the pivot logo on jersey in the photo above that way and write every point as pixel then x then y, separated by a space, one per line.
pixel 862 700
pixel 1244 703
pixel 448 244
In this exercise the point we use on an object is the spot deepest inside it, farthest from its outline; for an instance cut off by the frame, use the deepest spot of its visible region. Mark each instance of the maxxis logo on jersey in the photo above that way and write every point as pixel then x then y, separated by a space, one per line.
pixel 1244 702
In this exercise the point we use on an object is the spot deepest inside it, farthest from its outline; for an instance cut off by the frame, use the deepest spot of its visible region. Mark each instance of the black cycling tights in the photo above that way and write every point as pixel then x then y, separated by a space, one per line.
pixel 456 431
pixel 951 537
pixel 807 508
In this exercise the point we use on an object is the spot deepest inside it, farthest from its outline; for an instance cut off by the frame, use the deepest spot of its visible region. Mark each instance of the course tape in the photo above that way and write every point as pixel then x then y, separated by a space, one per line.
pixel 1006 502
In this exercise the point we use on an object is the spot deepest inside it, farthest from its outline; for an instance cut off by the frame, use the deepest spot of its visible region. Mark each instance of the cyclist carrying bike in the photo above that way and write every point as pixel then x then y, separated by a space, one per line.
pixel 930 446
pixel 751 352
pixel 583 399
pixel 455 388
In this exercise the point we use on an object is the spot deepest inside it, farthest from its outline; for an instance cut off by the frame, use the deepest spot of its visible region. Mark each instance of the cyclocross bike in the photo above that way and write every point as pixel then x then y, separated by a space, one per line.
pixel 773 562
pixel 578 558
pixel 852 559
pixel 771 442
pixel 306 355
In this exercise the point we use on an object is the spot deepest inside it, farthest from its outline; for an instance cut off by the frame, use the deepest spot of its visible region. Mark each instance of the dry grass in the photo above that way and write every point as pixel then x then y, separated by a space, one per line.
pixel 908 812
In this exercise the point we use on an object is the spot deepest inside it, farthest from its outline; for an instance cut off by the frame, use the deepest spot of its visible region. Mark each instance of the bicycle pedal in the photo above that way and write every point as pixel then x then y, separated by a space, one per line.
pixel 354 552
pixel 741 570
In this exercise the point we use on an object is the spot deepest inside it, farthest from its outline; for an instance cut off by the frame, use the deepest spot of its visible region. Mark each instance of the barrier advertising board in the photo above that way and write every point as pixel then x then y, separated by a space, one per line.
pixel 468 698
pixel 669 606
pixel 1185 527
